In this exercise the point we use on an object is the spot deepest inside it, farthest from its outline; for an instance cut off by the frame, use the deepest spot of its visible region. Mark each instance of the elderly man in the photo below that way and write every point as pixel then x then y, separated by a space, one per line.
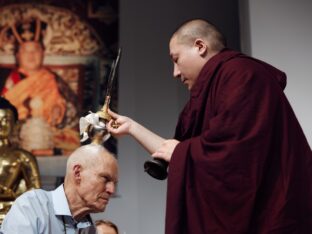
pixel 90 180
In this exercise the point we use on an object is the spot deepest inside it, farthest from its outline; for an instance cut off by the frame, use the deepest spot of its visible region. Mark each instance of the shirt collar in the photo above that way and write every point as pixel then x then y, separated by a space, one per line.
pixel 60 203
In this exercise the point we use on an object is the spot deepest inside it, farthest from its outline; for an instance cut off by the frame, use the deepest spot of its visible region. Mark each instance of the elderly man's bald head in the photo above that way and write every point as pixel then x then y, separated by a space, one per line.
pixel 89 156
pixel 200 29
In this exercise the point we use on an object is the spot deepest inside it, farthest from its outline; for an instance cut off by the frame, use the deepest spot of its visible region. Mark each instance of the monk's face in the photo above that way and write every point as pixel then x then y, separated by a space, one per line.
pixel 187 61
pixel 30 56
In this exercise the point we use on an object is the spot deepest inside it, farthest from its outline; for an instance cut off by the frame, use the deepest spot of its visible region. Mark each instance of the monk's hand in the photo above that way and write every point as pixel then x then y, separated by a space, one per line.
pixel 166 149
pixel 119 125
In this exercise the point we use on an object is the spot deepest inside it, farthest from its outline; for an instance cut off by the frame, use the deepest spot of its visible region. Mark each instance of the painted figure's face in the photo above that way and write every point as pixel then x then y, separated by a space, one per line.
pixel 30 56
pixel 6 122
pixel 98 183
pixel 186 62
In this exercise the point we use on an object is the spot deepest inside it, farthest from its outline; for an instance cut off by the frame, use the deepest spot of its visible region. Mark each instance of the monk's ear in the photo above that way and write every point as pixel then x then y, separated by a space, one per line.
pixel 201 46
pixel 77 173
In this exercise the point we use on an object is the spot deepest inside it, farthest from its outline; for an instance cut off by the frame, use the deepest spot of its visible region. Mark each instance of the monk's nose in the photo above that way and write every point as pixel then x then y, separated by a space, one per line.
pixel 176 72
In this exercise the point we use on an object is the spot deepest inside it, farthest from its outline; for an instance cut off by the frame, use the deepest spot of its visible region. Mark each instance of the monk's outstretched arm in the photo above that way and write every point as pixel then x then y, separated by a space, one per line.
pixel 127 126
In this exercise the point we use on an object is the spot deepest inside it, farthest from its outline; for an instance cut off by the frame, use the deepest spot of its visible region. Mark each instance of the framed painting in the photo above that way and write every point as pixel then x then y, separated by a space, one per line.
pixel 53 66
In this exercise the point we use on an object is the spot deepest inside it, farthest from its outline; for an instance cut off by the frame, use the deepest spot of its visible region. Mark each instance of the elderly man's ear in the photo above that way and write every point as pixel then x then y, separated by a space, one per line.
pixel 77 173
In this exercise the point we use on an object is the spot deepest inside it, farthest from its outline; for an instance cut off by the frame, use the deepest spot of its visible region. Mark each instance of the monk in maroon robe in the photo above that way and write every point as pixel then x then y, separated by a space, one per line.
pixel 239 161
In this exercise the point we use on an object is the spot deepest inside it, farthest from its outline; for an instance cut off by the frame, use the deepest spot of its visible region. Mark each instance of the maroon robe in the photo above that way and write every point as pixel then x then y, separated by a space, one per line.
pixel 243 164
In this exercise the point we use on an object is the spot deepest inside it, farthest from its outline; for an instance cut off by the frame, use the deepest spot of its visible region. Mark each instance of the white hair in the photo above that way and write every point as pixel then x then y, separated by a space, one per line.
pixel 88 156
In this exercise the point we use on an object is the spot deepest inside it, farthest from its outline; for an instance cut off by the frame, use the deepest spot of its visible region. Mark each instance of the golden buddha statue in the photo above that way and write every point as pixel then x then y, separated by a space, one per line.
pixel 18 168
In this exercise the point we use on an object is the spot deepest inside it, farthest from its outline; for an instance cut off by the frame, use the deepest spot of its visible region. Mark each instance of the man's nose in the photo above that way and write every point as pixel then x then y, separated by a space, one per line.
pixel 176 72
pixel 110 187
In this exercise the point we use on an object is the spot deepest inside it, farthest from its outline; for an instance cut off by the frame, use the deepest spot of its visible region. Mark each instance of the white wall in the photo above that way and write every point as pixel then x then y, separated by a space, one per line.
pixel 280 33
pixel 149 94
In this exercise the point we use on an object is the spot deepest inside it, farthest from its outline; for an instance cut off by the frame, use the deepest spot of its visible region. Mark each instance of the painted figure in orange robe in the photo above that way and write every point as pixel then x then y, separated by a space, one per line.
pixel 31 80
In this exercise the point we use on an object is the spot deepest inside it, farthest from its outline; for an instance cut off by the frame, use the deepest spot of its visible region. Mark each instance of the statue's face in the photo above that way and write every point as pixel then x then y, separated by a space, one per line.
pixel 6 122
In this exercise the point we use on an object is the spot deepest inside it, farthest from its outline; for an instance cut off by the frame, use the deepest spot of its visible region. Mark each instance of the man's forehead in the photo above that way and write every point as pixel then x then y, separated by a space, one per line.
pixel 172 42
pixel 109 163
pixel 173 48
pixel 106 229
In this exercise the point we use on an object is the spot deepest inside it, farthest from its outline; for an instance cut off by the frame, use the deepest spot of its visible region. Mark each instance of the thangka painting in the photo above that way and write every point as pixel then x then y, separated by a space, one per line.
pixel 54 63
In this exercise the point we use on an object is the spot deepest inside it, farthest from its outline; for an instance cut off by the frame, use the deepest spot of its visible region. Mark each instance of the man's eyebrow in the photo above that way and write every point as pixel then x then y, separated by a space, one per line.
pixel 104 174
pixel 109 177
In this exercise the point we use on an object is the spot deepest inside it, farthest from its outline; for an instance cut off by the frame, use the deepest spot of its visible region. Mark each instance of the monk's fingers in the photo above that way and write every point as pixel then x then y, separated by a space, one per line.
pixel 113 114
pixel 114 124
pixel 110 126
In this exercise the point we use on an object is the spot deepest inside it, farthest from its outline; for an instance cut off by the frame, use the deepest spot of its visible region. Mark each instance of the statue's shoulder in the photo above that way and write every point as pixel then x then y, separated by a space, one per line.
pixel 9 153
pixel 22 154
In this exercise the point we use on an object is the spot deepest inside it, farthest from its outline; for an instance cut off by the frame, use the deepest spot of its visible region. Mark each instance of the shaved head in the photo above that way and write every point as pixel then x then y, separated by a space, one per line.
pixel 89 156
pixel 200 29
